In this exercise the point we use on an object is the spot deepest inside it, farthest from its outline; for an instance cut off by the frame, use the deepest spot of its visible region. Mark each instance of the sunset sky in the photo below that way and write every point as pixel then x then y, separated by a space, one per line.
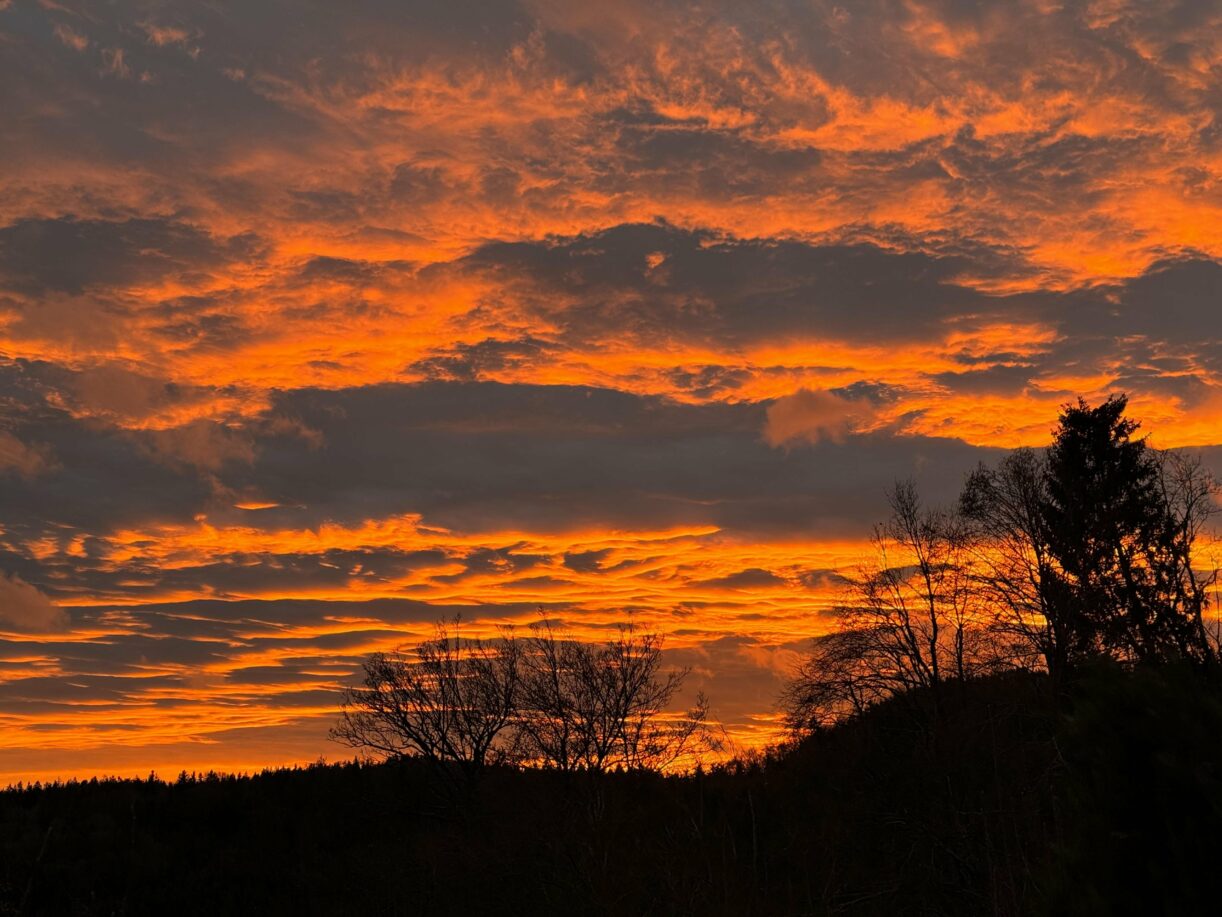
pixel 320 321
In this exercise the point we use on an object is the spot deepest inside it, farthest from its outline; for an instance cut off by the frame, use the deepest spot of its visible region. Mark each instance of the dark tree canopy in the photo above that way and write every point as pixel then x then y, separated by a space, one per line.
pixel 1121 577
pixel 1054 558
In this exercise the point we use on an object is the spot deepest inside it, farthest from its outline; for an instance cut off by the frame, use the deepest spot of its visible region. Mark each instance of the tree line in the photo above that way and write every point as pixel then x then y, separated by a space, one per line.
pixel 1052 560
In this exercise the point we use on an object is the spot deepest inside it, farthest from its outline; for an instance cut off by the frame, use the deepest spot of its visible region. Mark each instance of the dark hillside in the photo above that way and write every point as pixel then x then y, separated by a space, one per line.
pixel 1002 805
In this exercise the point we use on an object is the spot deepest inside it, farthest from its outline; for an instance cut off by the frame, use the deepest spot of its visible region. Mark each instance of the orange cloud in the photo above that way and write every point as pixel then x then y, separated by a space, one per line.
pixel 24 608
pixel 815 415
pixel 23 458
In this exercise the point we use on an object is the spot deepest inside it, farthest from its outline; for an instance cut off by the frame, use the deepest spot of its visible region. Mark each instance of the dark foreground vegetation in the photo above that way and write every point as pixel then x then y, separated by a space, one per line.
pixel 1107 802
pixel 1019 711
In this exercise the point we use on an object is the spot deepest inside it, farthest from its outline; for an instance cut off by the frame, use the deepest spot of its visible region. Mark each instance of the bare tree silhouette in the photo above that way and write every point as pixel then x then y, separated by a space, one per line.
pixel 598 706
pixel 1011 559
pixel 915 621
pixel 546 699
pixel 450 701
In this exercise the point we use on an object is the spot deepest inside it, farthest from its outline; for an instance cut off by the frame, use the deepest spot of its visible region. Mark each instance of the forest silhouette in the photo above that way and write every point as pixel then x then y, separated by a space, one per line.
pixel 1018 710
